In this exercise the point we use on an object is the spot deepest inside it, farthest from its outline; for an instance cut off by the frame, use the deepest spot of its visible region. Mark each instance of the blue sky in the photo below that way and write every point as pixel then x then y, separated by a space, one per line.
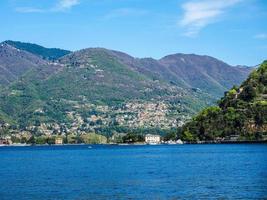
pixel 234 31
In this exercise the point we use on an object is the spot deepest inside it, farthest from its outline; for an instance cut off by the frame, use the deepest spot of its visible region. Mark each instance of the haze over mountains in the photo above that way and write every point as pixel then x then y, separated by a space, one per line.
pixel 54 86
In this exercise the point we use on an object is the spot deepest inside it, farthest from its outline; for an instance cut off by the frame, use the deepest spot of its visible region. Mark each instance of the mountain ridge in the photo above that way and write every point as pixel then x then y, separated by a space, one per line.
pixel 183 70
pixel 97 84
pixel 12 69
pixel 43 52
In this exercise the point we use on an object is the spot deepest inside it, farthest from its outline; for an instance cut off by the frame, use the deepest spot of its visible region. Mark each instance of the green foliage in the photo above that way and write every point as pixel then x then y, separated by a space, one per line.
pixel 90 77
pixel 133 138
pixel 4 131
pixel 31 140
pixel 15 139
pixel 188 136
pixel 242 111
pixel 248 93
pixel 41 140
pixel 93 138
pixel 170 136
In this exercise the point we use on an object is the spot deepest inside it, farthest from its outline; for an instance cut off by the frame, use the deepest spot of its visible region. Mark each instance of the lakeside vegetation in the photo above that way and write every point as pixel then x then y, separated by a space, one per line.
pixel 240 114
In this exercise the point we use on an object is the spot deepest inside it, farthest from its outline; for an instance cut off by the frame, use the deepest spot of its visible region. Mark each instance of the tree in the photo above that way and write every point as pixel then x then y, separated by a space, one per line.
pixel 23 140
pixel 259 116
pixel 187 136
pixel 248 93
pixel 170 136
pixel 51 140
pixel 31 140
pixel 4 131
pixel 41 140
pixel 132 138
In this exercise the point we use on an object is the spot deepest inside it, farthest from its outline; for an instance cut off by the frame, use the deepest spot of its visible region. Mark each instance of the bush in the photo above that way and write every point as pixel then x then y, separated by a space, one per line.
pixel 132 138
pixel 248 93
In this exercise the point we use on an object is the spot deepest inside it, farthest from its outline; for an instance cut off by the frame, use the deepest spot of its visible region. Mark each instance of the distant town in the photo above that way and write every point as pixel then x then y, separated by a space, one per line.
pixel 101 124
pixel 27 139
pixel 90 138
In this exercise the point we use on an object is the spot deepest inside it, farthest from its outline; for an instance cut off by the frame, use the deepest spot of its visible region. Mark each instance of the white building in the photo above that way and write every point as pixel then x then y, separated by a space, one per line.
pixel 152 139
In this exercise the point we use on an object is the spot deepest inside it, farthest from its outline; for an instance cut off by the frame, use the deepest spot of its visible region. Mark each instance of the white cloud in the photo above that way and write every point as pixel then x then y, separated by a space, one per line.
pixel 63 5
pixel 261 36
pixel 198 14
pixel 29 10
pixel 60 6
pixel 122 12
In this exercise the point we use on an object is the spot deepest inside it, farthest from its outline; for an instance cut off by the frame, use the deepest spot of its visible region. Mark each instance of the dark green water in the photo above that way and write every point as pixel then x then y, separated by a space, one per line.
pixel 134 172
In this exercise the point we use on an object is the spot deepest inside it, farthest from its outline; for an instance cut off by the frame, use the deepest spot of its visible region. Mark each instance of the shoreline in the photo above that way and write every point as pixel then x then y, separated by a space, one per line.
pixel 138 144
pixel 229 142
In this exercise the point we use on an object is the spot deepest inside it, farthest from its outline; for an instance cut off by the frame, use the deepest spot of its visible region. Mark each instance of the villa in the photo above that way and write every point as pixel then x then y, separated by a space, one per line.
pixel 152 139
pixel 59 141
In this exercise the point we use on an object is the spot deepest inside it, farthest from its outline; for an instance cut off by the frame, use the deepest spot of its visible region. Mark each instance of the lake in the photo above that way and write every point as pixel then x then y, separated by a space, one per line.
pixel 216 171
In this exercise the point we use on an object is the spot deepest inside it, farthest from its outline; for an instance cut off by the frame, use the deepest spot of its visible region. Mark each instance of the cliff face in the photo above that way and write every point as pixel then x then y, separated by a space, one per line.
pixel 241 112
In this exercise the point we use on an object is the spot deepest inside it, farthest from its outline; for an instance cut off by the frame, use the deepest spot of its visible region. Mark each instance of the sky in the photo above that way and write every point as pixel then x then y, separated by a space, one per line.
pixel 234 31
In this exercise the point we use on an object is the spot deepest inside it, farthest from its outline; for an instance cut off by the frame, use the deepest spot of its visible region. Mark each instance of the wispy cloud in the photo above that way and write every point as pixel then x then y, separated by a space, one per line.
pixel 200 13
pixel 63 5
pixel 261 36
pixel 29 10
pixel 60 6
pixel 123 12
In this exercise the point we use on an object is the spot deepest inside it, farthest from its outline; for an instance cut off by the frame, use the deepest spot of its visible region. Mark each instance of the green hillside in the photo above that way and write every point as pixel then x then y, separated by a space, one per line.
pixel 102 91
pixel 91 91
pixel 240 114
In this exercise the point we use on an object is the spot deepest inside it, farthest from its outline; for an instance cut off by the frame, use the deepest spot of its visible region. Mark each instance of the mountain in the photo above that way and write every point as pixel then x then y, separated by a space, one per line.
pixel 189 71
pixel 208 74
pixel 14 63
pixel 45 53
pixel 204 72
pixel 90 84
pixel 240 115
pixel 105 91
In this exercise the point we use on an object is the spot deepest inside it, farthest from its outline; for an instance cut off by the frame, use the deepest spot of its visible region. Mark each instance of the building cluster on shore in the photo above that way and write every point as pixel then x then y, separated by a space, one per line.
pixel 103 119
pixel 150 139
pixel 27 138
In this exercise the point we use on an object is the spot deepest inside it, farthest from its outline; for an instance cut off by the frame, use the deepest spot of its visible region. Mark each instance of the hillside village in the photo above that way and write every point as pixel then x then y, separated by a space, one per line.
pixel 104 120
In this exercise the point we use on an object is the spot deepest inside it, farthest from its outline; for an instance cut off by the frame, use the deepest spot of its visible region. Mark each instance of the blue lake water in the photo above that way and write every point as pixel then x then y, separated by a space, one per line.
pixel 134 172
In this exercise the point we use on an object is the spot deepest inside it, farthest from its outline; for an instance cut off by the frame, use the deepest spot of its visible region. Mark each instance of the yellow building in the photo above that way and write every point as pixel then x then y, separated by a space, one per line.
pixel 58 141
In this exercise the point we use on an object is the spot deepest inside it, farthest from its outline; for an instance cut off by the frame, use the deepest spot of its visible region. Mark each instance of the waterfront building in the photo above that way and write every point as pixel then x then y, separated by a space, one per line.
pixel 152 139
pixel 58 141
